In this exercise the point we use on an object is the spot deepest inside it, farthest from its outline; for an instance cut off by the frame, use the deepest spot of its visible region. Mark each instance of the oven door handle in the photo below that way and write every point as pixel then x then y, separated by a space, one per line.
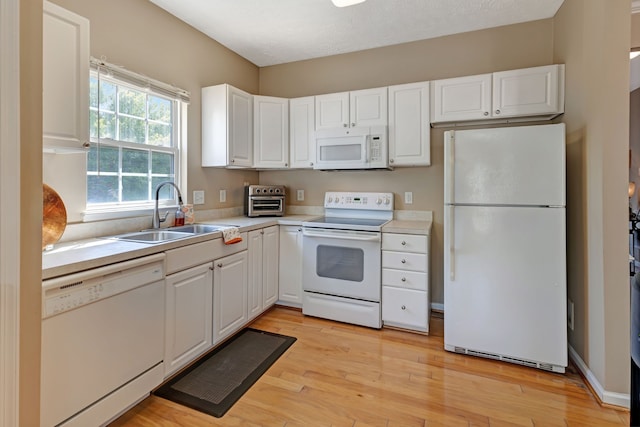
pixel 375 237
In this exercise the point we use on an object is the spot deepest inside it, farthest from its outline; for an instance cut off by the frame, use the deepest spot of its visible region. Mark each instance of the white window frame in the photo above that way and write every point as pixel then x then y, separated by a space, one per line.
pixel 180 98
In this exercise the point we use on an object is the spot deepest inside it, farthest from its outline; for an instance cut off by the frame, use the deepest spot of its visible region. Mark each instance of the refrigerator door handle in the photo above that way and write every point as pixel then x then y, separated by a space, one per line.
pixel 450 168
pixel 452 252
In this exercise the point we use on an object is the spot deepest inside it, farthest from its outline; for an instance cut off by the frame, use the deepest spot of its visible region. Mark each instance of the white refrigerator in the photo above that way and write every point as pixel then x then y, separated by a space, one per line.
pixel 505 291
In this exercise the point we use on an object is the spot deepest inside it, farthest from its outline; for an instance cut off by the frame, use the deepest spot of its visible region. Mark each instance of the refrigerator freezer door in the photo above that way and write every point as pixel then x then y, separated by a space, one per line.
pixel 505 282
pixel 522 165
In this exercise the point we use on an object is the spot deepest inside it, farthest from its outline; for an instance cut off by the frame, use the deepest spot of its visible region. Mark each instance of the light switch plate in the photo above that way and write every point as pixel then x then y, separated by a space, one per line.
pixel 300 195
pixel 223 196
pixel 198 197
pixel 408 197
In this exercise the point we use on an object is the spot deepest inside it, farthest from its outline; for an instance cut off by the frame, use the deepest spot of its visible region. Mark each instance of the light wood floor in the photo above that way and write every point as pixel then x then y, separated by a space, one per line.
pixel 343 375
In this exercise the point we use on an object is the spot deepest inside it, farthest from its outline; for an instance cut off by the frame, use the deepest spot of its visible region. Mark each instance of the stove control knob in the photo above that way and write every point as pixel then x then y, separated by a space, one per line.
pixel 378 201
pixel 387 201
pixel 330 199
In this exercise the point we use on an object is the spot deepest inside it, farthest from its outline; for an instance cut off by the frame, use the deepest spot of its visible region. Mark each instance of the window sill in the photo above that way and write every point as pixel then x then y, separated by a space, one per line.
pixel 121 213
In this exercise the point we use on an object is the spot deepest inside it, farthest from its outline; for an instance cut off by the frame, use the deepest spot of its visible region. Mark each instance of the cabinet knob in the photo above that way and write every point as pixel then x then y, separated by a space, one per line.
pixel 261 231
pixel 390 160
pixel 233 160
pixel 497 111
pixel 219 265
pixel 310 163
pixel 345 125
pixel 404 243
pixel 86 145
pixel 404 279
pixel 486 113
pixel 211 268
pixel 353 125
pixel 403 307
pixel 404 261
pixel 286 164
pixel 299 229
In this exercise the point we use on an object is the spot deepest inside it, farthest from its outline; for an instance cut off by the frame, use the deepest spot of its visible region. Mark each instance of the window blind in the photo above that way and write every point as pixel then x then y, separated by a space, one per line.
pixel 139 80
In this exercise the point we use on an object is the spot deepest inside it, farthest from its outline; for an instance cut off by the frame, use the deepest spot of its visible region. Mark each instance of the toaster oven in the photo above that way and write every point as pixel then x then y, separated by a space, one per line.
pixel 264 200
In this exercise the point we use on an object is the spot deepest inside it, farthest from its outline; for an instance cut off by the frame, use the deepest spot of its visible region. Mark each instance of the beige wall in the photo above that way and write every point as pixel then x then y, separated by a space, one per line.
pixel 504 48
pixel 592 39
pixel 635 30
pixel 144 38
pixel 30 209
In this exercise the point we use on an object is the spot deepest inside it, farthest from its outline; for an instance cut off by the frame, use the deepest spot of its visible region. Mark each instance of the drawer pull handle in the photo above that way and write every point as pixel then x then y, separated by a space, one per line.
pixel 404 243
pixel 404 261
pixel 404 279
pixel 404 308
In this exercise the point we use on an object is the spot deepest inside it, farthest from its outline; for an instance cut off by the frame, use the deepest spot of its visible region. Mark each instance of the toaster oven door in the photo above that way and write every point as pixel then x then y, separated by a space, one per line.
pixel 265 206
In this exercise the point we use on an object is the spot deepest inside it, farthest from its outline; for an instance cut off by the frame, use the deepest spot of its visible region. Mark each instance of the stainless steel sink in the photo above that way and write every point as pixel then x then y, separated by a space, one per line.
pixel 197 228
pixel 154 236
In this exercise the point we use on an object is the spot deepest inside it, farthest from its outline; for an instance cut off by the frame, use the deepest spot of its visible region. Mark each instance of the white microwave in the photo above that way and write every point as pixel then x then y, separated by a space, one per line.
pixel 352 148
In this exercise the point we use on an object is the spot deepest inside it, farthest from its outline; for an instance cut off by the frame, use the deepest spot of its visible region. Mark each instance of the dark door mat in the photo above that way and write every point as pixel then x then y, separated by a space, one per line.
pixel 215 382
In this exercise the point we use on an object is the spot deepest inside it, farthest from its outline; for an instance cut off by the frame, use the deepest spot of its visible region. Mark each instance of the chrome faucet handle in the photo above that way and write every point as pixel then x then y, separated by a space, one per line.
pixel 164 218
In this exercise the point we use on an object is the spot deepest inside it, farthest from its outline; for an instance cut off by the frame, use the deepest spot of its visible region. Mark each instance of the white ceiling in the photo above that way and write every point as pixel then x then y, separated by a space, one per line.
pixel 269 32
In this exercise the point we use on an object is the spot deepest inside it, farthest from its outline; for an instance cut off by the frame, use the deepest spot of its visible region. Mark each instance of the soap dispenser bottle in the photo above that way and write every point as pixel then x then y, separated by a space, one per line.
pixel 179 217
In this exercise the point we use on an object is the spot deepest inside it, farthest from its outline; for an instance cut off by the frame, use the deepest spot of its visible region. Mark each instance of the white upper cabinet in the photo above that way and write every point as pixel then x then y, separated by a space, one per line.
pixel 227 127
pixel 65 80
pixel 530 91
pixel 271 132
pixel 302 142
pixel 409 128
pixel 517 95
pixel 461 98
pixel 367 107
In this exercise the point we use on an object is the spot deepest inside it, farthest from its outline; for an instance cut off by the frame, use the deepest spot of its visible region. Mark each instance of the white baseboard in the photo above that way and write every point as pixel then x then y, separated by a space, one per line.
pixel 608 397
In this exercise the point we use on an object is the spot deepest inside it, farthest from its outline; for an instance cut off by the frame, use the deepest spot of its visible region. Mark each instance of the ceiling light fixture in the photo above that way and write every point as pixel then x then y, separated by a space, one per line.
pixel 343 3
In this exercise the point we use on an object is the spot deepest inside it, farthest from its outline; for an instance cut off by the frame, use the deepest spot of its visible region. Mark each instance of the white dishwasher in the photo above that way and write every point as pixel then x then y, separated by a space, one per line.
pixel 102 341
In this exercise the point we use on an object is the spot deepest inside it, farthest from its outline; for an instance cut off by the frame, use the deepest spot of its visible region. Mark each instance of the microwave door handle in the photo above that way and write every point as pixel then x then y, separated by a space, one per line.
pixel 367 148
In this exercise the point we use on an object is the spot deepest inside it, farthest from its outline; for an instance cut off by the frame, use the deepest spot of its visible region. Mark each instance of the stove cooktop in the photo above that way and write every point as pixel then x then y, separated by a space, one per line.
pixel 365 224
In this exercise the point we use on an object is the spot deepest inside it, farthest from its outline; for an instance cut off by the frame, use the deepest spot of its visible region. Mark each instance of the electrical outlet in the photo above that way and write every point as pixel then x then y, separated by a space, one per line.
pixel 408 197
pixel 570 314
pixel 223 196
pixel 198 197
pixel 300 195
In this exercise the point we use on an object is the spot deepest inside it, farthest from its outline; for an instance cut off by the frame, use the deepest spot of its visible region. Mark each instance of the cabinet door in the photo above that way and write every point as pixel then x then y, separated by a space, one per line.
pixel 65 80
pixel 255 273
pixel 271 132
pixel 461 98
pixel 368 107
pixel 290 270
pixel 332 111
pixel 409 130
pixel 527 92
pixel 229 295
pixel 270 258
pixel 302 142
pixel 240 108
pixel 188 317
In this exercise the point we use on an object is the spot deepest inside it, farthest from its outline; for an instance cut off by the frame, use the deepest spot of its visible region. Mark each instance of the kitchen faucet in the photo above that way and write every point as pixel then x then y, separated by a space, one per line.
pixel 156 214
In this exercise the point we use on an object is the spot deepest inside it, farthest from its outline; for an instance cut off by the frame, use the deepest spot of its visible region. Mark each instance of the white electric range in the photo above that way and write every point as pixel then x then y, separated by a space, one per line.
pixel 341 277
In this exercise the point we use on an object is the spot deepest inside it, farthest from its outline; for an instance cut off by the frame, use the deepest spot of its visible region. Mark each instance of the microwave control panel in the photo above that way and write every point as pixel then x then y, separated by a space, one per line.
pixel 376 148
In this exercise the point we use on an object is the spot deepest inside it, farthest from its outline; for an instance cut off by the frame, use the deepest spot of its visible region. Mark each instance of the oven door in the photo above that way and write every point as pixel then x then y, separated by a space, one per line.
pixel 342 263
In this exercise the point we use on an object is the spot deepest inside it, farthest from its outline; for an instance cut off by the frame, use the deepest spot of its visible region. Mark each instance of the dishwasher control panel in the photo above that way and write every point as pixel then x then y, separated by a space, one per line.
pixel 75 290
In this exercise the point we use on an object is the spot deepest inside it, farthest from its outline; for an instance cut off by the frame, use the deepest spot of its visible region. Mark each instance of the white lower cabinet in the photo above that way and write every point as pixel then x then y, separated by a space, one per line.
pixel 290 270
pixel 405 281
pixel 263 270
pixel 230 285
pixel 188 321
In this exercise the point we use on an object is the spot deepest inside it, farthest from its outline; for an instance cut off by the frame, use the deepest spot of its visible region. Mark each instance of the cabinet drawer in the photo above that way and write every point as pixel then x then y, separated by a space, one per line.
pixel 404 279
pixel 199 253
pixel 405 308
pixel 405 243
pixel 404 261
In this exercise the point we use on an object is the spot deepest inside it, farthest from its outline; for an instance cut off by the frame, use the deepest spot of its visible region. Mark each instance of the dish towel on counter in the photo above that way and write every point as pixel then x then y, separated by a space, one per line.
pixel 231 235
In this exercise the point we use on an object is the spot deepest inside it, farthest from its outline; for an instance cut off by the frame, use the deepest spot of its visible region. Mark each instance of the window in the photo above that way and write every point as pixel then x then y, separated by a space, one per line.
pixel 135 133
